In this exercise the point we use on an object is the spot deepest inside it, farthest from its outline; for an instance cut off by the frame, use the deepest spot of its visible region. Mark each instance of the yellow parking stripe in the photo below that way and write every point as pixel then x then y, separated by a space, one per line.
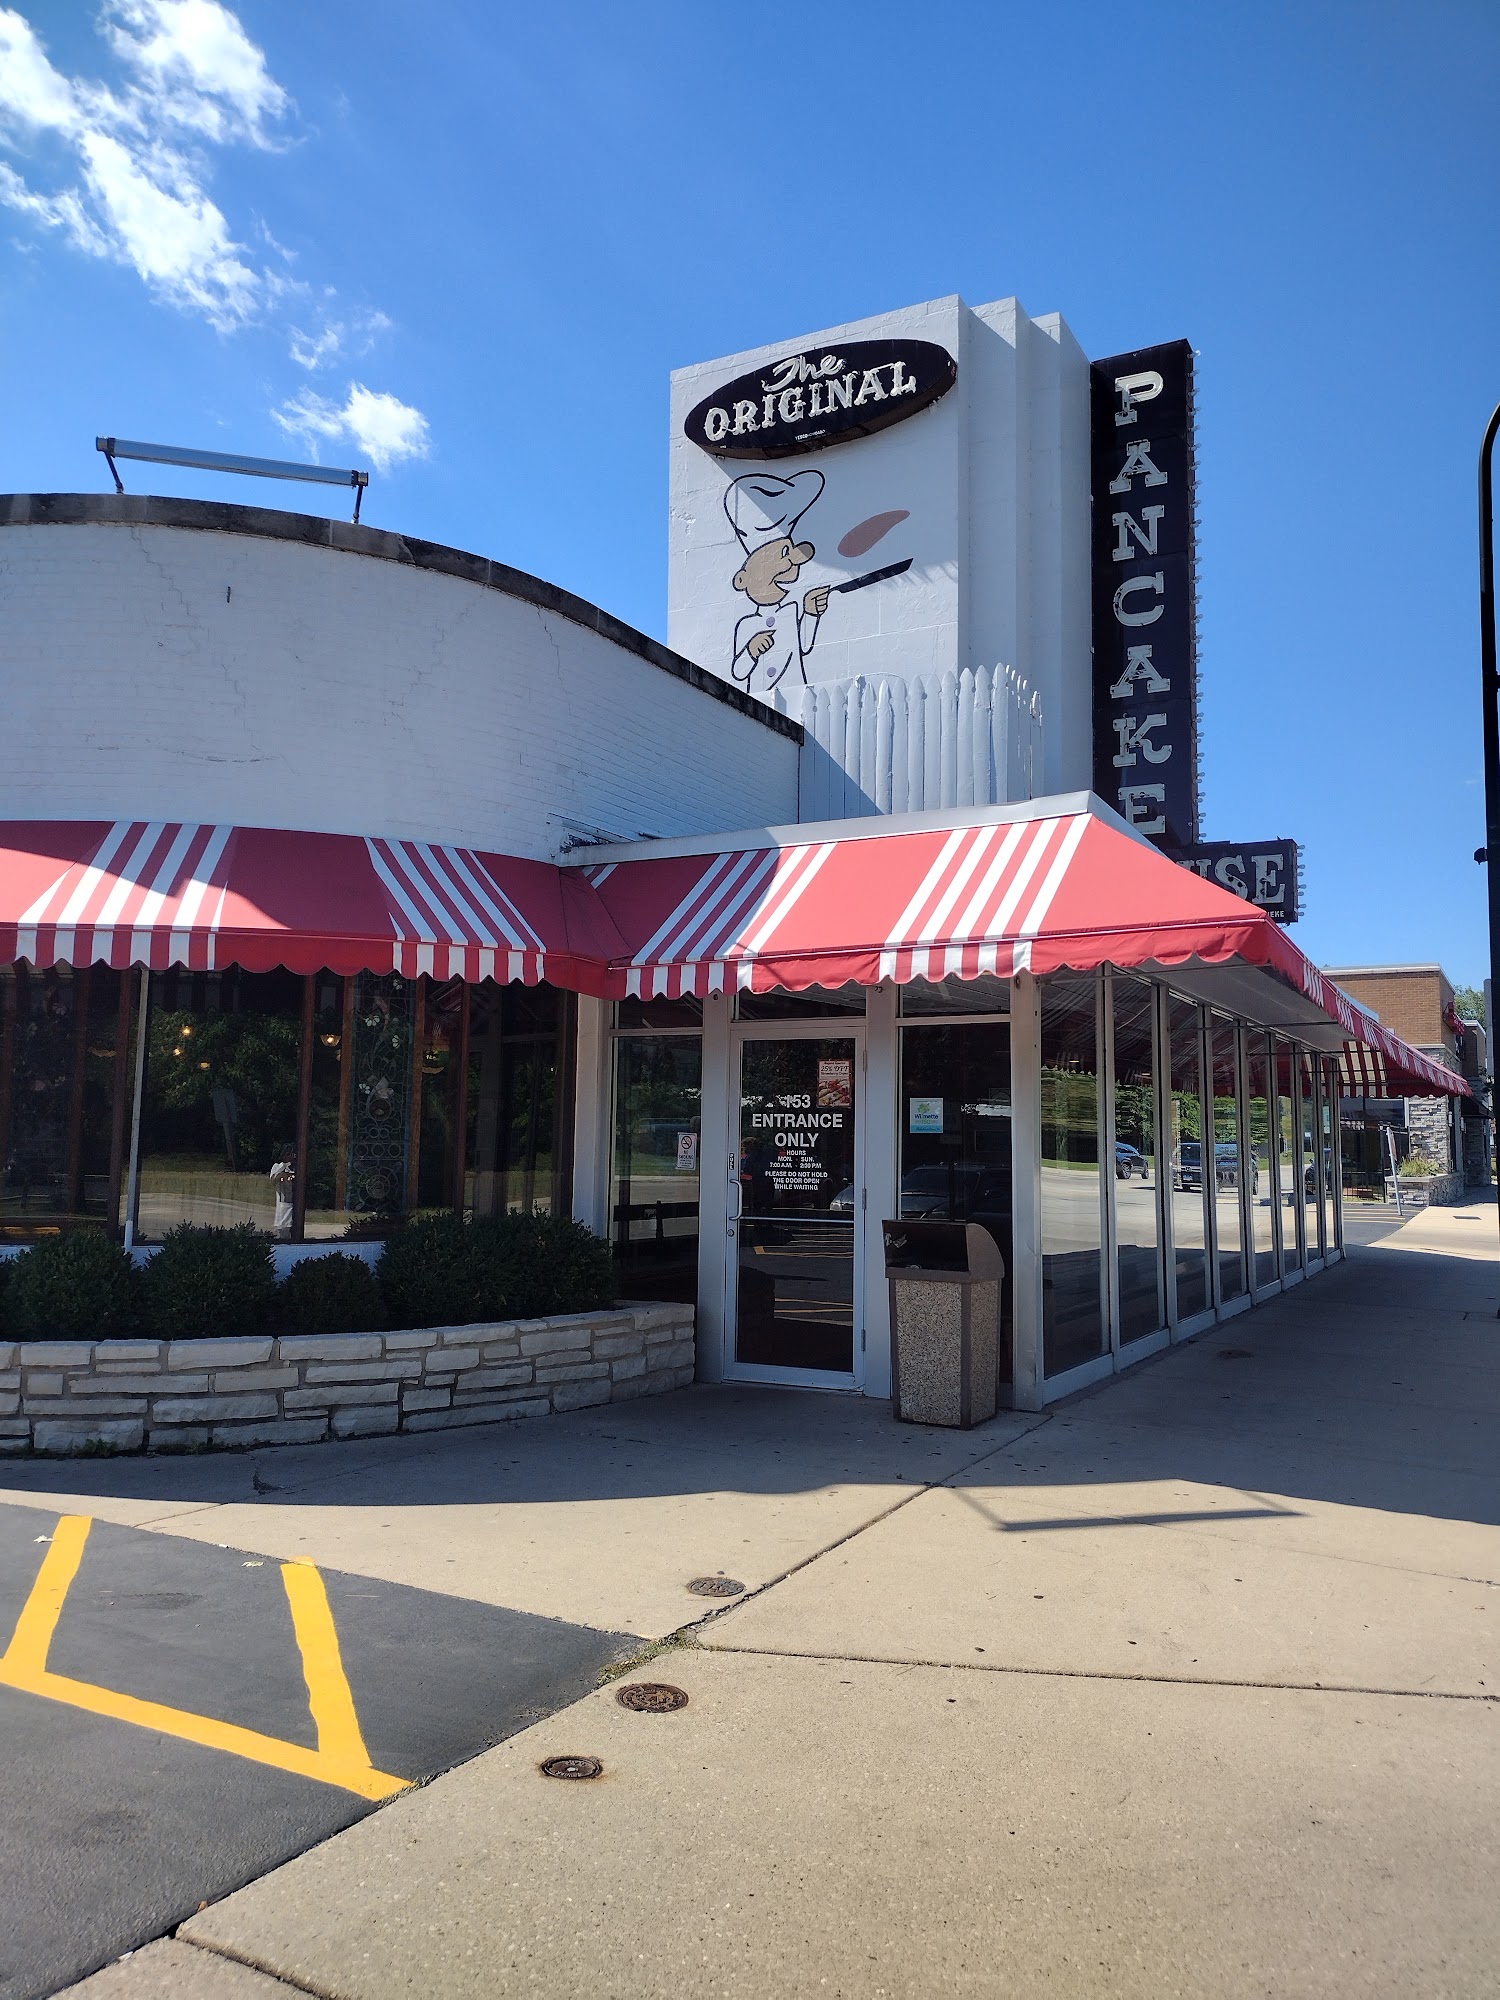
pixel 328 1693
pixel 27 1651
pixel 340 1758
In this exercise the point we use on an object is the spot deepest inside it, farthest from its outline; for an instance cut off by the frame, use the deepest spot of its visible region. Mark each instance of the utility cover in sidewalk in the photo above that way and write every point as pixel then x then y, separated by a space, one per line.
pixel 715 1586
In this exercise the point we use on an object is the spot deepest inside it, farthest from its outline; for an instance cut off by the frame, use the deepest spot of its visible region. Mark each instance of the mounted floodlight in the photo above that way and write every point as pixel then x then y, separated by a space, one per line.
pixel 228 461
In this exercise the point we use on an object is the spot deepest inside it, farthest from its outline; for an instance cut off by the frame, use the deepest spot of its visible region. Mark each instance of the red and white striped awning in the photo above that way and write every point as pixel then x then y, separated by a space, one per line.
pixel 1053 891
pixel 163 893
pixel 1058 889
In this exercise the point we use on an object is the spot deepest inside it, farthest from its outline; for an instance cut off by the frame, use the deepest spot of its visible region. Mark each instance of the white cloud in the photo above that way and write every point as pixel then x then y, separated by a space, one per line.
pixel 133 188
pixel 382 429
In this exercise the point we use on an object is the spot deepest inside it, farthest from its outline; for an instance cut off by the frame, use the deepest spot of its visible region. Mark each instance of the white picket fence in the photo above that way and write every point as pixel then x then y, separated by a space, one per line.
pixel 933 741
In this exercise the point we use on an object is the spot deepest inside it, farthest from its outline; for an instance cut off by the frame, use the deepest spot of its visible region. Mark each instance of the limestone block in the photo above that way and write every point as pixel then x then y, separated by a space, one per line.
pixel 461 1336
pixel 552 1339
pixel 11 1447
pixel 449 1360
pixel 211 1409
pixel 648 1316
pixel 227 1379
pixel 305 1430
pixel 15 1427
pixel 9 1403
pixel 401 1368
pixel 133 1352
pixel 10 1354
pixel 337 1395
pixel 411 1341
pixel 139 1385
pixel 243 1350
pixel 505 1377
pixel 10 1378
pixel 573 1371
pixel 477 1413
pixel 426 1399
pixel 502 1350
pixel 328 1347
pixel 609 1346
pixel 182 1437
pixel 57 1353
pixel 663 1334
pixel 365 1423
pixel 579 1395
pixel 575 1357
pixel 44 1382
pixel 86 1406
pixel 627 1367
pixel 121 1434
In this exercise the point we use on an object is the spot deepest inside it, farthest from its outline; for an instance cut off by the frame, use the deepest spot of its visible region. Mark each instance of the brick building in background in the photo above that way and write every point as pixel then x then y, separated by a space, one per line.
pixel 1418 1002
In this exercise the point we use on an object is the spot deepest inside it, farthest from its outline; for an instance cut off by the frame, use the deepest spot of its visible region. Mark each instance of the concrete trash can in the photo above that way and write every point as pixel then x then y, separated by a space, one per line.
pixel 945 1283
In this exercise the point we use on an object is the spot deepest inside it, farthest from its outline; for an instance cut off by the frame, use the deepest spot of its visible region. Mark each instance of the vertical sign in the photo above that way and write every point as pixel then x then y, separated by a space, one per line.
pixel 1145 591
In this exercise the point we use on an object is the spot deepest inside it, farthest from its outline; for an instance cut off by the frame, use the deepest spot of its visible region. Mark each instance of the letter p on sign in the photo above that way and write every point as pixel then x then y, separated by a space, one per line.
pixel 1133 389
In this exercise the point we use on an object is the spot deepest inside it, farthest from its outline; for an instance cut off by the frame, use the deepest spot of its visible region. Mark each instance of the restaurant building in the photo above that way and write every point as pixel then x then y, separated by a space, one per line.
pixel 345 876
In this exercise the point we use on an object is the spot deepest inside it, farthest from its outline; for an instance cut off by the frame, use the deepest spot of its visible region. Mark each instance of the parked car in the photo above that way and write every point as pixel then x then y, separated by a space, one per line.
pixel 1188 1171
pixel 1130 1160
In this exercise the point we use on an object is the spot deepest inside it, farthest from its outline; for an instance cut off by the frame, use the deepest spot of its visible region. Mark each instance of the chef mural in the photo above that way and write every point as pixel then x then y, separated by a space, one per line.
pixel 773 639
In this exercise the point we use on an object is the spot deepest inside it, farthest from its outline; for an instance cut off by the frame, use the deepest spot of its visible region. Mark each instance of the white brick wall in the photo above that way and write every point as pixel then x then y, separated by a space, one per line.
pixel 176 672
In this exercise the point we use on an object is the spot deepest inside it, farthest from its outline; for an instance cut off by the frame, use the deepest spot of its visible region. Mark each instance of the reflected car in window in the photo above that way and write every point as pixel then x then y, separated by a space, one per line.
pixel 1130 1160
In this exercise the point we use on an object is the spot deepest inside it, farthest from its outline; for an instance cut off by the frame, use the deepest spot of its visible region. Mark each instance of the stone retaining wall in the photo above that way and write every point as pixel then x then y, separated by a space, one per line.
pixel 181 1395
pixel 1432 1190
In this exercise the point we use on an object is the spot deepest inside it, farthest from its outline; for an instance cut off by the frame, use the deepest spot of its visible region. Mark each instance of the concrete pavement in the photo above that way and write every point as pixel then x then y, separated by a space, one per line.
pixel 1190 1688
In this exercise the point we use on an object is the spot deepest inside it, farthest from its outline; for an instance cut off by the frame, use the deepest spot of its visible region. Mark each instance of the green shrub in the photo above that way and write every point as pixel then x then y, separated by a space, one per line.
pixel 442 1272
pixel 80 1286
pixel 332 1294
pixel 203 1283
pixel 1420 1168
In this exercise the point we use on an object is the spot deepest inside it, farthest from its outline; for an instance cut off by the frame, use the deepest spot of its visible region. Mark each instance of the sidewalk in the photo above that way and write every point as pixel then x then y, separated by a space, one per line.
pixel 1188 1689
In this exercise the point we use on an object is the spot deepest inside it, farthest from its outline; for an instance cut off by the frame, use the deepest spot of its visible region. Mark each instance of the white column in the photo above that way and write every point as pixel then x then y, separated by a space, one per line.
pixel 882 1151
pixel 1026 1185
pixel 714 1246
pixel 591 1116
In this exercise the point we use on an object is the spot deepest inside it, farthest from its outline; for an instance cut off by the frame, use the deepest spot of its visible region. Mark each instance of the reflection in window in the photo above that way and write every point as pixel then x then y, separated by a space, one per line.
pixel 653 1194
pixel 808 1006
pixel 61 1100
pixel 1073 1328
pixel 219 1102
pixel 1228 1160
pixel 984 995
pixel 1331 1161
pixel 1193 1165
pixel 1137 1183
pixel 1307 1164
pixel 1261 1122
pixel 955 1116
pixel 1289 1192
pixel 518 1108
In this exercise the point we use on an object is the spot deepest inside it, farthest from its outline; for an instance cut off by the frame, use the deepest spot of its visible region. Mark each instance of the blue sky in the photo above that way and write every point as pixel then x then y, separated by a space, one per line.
pixel 469 242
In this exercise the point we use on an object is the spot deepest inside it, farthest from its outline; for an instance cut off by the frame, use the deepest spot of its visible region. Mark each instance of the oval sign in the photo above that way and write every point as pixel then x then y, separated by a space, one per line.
pixel 821 397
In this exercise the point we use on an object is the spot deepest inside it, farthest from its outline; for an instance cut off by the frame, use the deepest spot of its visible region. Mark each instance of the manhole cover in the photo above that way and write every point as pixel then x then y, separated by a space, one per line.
pixel 651 1698
pixel 715 1586
pixel 571 1767
pixel 1236 1354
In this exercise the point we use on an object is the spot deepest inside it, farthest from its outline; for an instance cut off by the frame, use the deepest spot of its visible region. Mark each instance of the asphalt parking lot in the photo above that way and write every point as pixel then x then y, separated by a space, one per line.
pixel 179 1717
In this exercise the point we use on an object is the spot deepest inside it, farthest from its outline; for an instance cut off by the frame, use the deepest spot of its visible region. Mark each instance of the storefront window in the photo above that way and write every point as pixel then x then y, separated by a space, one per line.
pixel 60 1097
pixel 1331 1160
pixel 955 1114
pixel 1137 1181
pixel 1191 1154
pixel 443 1111
pixel 1073 1325
pixel 653 1194
pixel 808 1006
pixel 1307 1178
pixel 985 995
pixel 520 1106
pixel 1261 1135
pixel 1288 1151
pixel 331 1109
pixel 219 1102
pixel 1229 1160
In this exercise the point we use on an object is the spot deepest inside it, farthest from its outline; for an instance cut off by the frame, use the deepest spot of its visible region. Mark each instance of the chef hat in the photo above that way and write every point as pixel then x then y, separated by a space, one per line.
pixel 761 506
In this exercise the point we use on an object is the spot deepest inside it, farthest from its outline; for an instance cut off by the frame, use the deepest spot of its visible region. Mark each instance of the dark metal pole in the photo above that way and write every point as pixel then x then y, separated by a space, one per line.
pixel 1491 849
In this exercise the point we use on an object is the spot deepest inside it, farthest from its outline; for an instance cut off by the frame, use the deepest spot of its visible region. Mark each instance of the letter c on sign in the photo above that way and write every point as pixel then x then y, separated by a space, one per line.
pixel 1156 582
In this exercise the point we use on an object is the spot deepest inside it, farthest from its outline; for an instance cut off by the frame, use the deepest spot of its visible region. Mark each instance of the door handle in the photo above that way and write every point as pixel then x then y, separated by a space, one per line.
pixel 736 1200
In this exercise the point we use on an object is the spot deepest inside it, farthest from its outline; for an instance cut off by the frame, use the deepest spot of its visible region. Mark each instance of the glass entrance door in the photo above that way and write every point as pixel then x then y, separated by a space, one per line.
pixel 795 1207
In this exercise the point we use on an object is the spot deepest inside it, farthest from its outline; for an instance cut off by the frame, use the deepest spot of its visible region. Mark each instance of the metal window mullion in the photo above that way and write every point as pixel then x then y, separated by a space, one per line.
pixel 1209 1154
pixel 1247 1155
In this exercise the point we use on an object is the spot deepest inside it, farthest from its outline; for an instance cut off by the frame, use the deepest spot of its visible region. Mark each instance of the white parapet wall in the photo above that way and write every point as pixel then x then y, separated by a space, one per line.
pixel 182 660
pixel 924 743
pixel 70 1396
